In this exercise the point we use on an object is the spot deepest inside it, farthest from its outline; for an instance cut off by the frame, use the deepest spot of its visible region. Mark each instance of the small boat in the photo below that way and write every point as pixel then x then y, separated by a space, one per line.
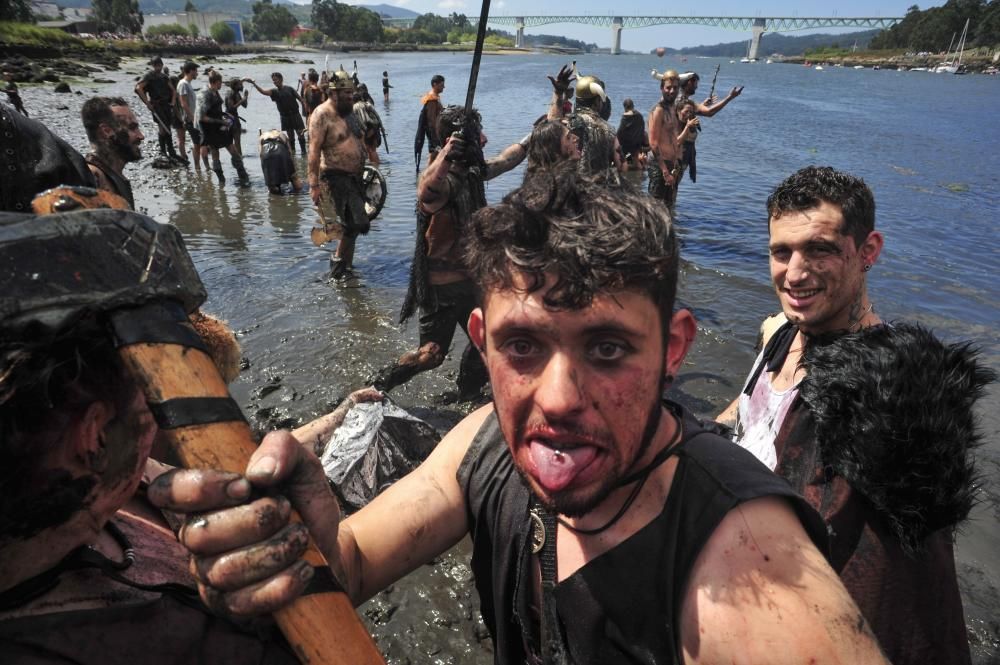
pixel 877 67
pixel 859 66
pixel 955 66
pixel 918 69
pixel 818 68
pixel 769 62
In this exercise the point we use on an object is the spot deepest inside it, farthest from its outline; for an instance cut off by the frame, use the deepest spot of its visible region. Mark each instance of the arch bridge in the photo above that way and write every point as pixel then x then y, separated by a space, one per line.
pixel 758 25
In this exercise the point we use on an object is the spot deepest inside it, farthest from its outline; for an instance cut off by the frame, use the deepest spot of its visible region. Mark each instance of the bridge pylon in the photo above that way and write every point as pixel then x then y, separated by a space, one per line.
pixel 519 36
pixel 616 35
pixel 759 28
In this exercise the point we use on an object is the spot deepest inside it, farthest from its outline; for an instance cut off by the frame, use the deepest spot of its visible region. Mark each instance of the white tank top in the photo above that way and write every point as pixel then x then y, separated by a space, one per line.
pixel 761 415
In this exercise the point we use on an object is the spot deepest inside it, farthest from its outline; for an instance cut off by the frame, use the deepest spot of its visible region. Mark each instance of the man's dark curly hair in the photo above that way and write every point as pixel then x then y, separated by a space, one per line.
pixel 597 239
pixel 97 111
pixel 809 187
pixel 545 147
pixel 44 387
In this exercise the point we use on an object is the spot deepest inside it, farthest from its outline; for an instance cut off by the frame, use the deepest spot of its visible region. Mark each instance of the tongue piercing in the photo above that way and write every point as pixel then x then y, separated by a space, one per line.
pixel 558 455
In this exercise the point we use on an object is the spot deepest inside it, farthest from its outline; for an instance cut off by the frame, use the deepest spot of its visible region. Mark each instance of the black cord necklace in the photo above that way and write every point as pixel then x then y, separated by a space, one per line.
pixel 639 478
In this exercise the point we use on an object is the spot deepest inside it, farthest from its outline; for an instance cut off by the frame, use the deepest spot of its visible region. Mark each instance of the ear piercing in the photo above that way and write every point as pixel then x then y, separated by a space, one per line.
pixel 867 267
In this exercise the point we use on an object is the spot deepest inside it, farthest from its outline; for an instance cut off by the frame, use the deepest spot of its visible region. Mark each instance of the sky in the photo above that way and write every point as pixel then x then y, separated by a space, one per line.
pixel 672 36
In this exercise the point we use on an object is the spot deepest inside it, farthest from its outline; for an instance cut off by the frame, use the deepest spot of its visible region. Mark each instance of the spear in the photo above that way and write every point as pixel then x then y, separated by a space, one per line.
pixel 711 92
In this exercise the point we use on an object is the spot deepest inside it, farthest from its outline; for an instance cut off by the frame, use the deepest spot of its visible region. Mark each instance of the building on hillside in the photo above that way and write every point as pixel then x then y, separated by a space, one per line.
pixel 298 30
pixel 45 9
pixel 77 13
pixel 203 20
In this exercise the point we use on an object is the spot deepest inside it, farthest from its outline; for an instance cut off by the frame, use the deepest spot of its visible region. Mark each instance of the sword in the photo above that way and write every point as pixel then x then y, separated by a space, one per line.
pixel 484 15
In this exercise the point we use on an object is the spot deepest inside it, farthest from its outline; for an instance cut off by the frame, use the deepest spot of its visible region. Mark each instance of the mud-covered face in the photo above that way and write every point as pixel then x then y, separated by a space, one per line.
pixel 577 393
pixel 345 101
pixel 818 272
pixel 669 88
pixel 126 139
pixel 569 145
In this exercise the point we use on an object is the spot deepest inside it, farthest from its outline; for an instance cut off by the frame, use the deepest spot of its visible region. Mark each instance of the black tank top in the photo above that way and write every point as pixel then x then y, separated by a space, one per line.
pixel 625 605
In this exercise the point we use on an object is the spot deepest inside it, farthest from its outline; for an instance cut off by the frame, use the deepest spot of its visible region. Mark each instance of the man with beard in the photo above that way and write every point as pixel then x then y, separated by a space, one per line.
pixel 871 422
pixel 664 126
pixel 337 156
pixel 451 189
pixel 159 96
pixel 288 102
pixel 115 140
pixel 607 526
pixel 597 139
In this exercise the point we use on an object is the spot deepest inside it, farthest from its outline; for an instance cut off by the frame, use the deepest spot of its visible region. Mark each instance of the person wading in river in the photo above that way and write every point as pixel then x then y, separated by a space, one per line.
pixel 288 102
pixel 216 128
pixel 159 97
pixel 606 525
pixel 600 153
pixel 451 189
pixel 708 108
pixel 115 140
pixel 871 422
pixel 664 127
pixel 337 156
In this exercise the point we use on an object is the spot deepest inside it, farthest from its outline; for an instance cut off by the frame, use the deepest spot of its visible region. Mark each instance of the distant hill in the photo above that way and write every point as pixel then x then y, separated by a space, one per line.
pixel 391 11
pixel 783 44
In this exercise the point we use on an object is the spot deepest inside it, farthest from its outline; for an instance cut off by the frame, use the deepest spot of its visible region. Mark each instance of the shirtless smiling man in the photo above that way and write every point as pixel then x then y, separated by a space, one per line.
pixel 337 154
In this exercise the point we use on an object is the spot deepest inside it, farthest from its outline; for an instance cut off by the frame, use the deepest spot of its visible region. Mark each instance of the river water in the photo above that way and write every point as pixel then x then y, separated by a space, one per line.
pixel 923 142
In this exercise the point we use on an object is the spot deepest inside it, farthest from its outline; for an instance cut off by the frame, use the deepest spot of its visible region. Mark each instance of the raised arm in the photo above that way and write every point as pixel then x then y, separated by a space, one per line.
pixel 259 89
pixel 708 110
pixel 560 85
pixel 511 156
pixel 760 592
pixel 433 189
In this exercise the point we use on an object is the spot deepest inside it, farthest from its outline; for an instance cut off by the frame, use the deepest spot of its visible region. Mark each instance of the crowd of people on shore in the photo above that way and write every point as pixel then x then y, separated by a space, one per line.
pixel 812 522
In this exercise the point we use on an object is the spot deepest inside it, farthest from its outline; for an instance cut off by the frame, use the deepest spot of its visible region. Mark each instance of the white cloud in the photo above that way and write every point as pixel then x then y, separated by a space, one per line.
pixel 451 4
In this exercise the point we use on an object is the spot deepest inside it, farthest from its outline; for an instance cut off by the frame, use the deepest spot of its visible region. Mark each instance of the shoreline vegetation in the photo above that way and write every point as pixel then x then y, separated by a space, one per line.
pixel 43 55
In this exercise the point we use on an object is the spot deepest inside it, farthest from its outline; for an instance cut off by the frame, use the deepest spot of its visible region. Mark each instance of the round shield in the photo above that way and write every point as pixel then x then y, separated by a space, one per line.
pixel 375 191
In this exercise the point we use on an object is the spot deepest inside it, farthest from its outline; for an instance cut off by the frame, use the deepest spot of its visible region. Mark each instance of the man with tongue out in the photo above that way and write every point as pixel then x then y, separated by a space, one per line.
pixel 607 526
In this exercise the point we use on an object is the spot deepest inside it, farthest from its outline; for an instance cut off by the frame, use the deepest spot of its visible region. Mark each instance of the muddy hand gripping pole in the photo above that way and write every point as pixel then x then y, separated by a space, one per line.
pixel 136 275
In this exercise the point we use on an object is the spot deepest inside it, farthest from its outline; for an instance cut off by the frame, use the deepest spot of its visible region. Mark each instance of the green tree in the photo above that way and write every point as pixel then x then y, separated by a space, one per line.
pixel 223 33
pixel 167 29
pixel 189 6
pixel 15 10
pixel 117 15
pixel 432 23
pixel 326 16
pixel 271 21
pixel 193 29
